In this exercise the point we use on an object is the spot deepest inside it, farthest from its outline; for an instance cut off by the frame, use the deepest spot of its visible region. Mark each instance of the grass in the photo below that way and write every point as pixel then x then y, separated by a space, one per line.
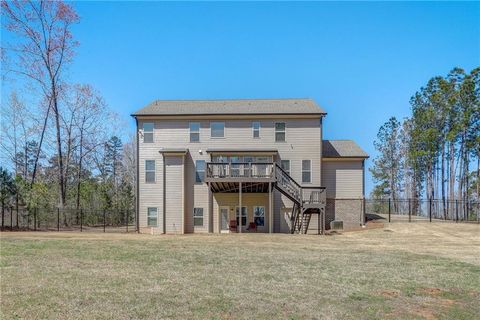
pixel 405 271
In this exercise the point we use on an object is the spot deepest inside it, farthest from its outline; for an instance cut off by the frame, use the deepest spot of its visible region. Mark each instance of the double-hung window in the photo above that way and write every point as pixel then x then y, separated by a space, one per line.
pixel 259 216
pixel 199 171
pixel 198 217
pixel 306 171
pixel 256 129
pixel 217 129
pixel 244 216
pixel 194 131
pixel 285 164
pixel 148 132
pixel 279 131
pixel 152 217
pixel 150 171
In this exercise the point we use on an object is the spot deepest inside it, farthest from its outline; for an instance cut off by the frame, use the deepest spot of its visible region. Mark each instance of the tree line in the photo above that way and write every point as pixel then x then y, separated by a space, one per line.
pixel 61 145
pixel 434 153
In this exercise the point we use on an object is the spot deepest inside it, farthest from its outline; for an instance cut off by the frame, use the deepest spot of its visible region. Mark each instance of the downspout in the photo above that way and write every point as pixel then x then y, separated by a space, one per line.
pixel 363 178
pixel 164 196
pixel 137 204
pixel 363 193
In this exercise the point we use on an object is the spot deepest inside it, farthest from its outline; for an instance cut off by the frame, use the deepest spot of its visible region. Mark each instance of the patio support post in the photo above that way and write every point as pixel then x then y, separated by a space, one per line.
pixel 239 207
pixel 211 226
pixel 270 208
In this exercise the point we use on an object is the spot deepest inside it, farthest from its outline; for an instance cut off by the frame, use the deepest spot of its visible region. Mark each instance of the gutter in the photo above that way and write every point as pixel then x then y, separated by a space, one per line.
pixel 137 204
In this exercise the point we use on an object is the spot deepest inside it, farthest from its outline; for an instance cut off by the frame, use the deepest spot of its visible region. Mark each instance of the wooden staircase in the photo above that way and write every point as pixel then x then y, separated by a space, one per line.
pixel 306 202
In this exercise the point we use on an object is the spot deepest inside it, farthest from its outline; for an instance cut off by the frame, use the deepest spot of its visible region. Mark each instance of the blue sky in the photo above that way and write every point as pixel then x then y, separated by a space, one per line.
pixel 360 61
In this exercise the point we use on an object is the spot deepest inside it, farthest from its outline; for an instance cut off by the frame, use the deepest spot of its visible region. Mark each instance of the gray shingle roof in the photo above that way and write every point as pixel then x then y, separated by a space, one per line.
pixel 342 149
pixel 231 107
pixel 252 150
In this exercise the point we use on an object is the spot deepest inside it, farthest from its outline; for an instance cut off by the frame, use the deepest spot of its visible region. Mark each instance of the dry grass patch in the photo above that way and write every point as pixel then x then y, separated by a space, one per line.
pixel 413 270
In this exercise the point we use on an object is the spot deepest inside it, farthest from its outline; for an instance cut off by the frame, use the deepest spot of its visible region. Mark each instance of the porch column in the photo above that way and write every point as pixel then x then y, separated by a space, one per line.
pixel 270 208
pixel 239 207
pixel 210 209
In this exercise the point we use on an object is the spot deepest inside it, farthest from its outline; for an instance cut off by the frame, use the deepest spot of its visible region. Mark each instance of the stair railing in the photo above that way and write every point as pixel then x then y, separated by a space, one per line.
pixel 288 184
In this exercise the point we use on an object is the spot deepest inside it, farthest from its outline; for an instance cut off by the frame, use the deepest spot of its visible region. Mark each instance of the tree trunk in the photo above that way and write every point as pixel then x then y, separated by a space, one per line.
pixel 61 181
pixel 451 175
pixel 79 175
pixel 478 176
pixel 3 213
pixel 443 182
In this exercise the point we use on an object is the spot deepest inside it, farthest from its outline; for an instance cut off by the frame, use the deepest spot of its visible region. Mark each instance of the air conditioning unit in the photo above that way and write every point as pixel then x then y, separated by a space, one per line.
pixel 336 225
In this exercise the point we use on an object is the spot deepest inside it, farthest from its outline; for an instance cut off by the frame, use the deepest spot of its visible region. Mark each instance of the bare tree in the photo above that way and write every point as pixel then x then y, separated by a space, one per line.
pixel 43 49
pixel 89 110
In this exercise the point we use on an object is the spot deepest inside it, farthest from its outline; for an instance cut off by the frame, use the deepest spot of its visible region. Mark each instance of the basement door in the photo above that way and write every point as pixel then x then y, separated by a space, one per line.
pixel 224 219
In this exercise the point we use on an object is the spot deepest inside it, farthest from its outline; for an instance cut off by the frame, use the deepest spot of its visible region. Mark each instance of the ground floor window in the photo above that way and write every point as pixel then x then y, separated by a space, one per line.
pixel 152 217
pixel 244 216
pixel 198 217
pixel 259 216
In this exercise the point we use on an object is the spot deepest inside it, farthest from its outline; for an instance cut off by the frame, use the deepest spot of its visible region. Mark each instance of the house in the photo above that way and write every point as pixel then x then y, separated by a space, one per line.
pixel 257 165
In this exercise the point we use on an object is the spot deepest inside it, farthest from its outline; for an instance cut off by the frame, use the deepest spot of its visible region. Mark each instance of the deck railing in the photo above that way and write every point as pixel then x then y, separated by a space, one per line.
pixel 314 195
pixel 240 170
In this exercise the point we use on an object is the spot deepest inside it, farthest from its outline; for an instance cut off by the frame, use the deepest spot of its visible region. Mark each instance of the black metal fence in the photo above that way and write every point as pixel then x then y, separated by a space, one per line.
pixel 423 210
pixel 56 219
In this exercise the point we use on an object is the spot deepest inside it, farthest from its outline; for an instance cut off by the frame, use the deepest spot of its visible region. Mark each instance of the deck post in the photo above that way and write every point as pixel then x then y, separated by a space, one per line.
pixel 270 209
pixel 318 221
pixel 239 207
pixel 211 226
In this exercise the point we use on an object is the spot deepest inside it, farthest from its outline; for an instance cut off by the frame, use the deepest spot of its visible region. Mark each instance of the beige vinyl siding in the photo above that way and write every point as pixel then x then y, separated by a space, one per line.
pixel 174 206
pixel 150 194
pixel 303 141
pixel 196 196
pixel 343 179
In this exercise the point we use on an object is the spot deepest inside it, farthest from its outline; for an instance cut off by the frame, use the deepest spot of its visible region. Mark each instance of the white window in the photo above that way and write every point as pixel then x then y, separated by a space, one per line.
pixel 280 131
pixel 148 132
pixel 244 216
pixel 306 171
pixel 194 131
pixel 150 171
pixel 259 216
pixel 256 129
pixel 152 217
pixel 198 217
pixel 217 129
pixel 285 164
pixel 200 170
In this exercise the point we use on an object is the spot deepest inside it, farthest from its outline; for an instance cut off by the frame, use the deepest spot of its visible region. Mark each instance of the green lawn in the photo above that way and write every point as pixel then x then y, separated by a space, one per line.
pixel 404 271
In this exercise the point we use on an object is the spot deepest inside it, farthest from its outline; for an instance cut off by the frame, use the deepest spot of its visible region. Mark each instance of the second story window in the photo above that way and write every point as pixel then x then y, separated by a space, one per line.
pixel 148 132
pixel 150 171
pixel 279 131
pixel 256 129
pixel 200 171
pixel 217 129
pixel 306 171
pixel 285 164
pixel 194 131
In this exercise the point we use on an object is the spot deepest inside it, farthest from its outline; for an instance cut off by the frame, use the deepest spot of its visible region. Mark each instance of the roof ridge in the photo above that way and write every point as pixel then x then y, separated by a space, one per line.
pixel 232 106
pixel 233 99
